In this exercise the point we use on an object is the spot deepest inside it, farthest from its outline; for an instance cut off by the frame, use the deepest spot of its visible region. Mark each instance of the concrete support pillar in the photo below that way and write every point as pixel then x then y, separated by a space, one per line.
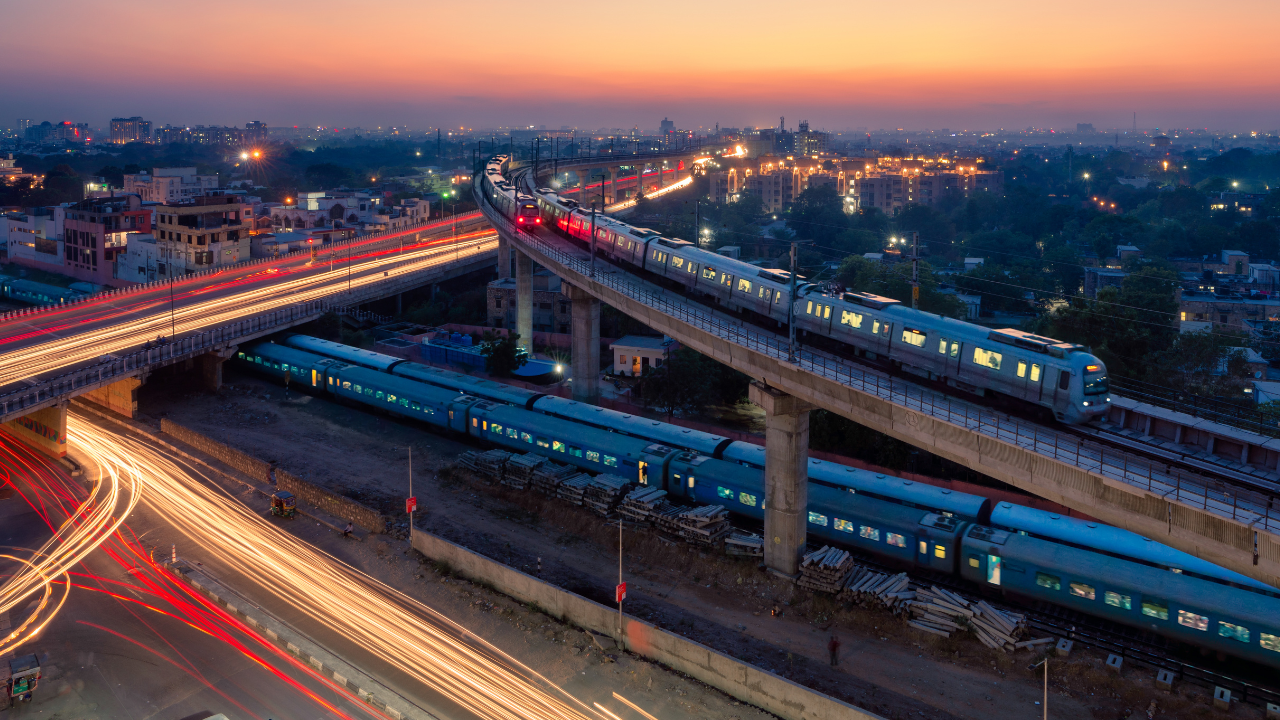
pixel 586 345
pixel 584 179
pixel 120 396
pixel 524 300
pixel 613 184
pixel 504 258
pixel 209 366
pixel 399 303
pixel 786 477
pixel 43 430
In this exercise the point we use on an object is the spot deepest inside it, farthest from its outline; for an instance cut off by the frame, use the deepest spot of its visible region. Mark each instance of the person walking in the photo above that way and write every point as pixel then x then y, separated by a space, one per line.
pixel 347 533
pixel 833 647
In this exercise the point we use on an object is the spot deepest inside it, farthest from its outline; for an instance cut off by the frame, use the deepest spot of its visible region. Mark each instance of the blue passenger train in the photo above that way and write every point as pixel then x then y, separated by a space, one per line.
pixel 1032 554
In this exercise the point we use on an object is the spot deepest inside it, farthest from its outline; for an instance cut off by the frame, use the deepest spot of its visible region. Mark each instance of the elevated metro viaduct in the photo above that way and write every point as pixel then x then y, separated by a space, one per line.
pixel 1124 490
pixel 100 348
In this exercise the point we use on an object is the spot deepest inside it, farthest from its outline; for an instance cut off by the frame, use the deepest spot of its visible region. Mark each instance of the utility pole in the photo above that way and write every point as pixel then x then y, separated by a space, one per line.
pixel 791 309
pixel 621 592
pixel 593 239
pixel 697 221
pixel 915 270
pixel 536 155
pixel 173 323
pixel 412 499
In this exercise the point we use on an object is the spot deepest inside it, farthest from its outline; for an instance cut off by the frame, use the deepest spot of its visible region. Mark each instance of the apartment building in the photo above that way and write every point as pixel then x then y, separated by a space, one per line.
pixel 95 232
pixel 169 185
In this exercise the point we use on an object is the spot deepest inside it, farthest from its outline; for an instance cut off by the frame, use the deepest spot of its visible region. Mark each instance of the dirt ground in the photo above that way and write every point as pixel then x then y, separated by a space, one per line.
pixel 722 602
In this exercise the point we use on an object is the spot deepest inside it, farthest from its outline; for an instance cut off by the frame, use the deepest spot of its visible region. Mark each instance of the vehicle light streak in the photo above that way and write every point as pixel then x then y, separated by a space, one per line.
pixel 397 629
pixel 301 284
pixel 631 202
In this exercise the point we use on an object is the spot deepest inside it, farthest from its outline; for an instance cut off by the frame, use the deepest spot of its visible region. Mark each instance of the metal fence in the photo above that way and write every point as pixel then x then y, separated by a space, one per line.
pixel 1256 509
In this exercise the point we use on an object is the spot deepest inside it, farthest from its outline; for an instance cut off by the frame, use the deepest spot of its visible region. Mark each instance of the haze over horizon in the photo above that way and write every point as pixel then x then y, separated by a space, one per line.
pixel 1003 65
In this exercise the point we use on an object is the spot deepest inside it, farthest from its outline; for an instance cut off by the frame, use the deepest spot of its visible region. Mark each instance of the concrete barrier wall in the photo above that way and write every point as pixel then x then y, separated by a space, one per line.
pixel 332 503
pixel 745 682
pixel 245 463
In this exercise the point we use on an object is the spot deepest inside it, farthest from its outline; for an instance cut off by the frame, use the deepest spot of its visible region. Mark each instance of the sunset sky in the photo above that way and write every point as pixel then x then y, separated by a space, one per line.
pixel 839 64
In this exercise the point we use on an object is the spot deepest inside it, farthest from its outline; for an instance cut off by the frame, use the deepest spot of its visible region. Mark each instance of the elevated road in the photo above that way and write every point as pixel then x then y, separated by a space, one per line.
pixel 1233 527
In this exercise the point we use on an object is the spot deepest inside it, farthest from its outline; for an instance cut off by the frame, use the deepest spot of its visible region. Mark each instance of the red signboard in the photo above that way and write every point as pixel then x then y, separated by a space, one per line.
pixel 621 592
pixel 410 504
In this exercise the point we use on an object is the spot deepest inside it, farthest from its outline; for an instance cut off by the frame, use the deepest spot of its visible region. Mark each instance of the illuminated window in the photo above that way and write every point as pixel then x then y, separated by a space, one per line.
pixel 764 293
pixel 1083 591
pixel 415 405
pixel 744 286
pixel 346 385
pixel 942 346
pixel 1235 632
pixel 475 422
pixel 1270 642
pixel 913 337
pixel 844 525
pixel 726 280
pixel 1048 581
pixel 495 428
pixel 575 451
pixel 895 540
pixel 593 456
pixel 818 519
pixel 974 561
pixel 513 433
pixel 557 446
pixel 869 533
pixel 955 349
pixel 526 437
pixel 1192 620
pixel 809 308
pixel 852 319
pixel 747 499
pixel 826 312
pixel 1156 609
pixel 986 358
pixel 1022 368
pixel 1115 599
pixel 692 481
pixel 709 273
pixel 724 493
pixel 610 461
pixel 1035 373
pixel 994 566
pixel 924 547
pixel 940 551
pixel 677 262
pixel 875 327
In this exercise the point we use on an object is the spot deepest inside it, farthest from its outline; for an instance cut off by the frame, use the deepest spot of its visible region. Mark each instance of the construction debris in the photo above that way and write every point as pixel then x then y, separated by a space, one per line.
pixel 547 478
pixel 704 525
pixel 520 469
pixel 825 570
pixel 573 488
pixel 744 544
pixel 490 465
pixel 603 493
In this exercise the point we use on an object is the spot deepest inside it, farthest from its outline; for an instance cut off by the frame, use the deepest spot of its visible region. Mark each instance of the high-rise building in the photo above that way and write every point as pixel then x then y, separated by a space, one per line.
pixel 255 132
pixel 126 130
pixel 24 123
pixel 666 126
pixel 807 142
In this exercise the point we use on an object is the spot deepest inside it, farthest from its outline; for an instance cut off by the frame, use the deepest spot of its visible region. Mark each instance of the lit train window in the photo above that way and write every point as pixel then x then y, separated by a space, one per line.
pixel 355 389
pixel 895 540
pixel 986 358
pixel 924 548
pixel 844 525
pixel 1235 632
pixel 513 433
pixel 610 461
pixel 709 273
pixel 940 551
pixel 913 337
pixel 993 569
pixel 543 442
pixel 1192 620
pixel 1115 599
pixel 875 327
pixel 1035 373
pixel 955 349
pixel 818 519
pixel 1083 591
pixel 391 398
pixel 1022 368
pixel 974 561
pixel 852 319
pixel 369 391
pixel 809 309
pixel 575 451
pixel 404 402
pixel 726 280
pixel 1270 642
pixel 1045 580
pixel 764 293
pixel 677 262
pixel 526 437
pixel 1156 609
pixel 240 355
pixel 495 428
pixel 557 446
pixel 826 312
pixel 593 456
pixel 869 533
pixel 346 385
pixel 744 285
pixel 942 346
pixel 724 492
pixel 414 405
pixel 747 499
pixel 692 481
pixel 475 422
pixel 777 298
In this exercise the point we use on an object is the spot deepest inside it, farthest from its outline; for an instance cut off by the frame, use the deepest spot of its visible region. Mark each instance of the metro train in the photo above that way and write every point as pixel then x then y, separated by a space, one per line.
pixel 1006 548
pixel 1061 380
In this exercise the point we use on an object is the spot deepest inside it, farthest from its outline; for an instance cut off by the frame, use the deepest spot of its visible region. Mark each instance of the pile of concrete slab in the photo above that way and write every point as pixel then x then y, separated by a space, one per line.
pixel 640 503
pixel 520 470
pixel 825 570
pixel 744 544
pixel 547 479
pixel 603 493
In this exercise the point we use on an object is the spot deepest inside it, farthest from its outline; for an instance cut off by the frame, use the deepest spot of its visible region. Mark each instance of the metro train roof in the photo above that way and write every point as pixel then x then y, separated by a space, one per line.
pixel 1110 539
pixel 400 386
pixel 367 358
pixel 486 389
pixel 565 431
pixel 293 356
pixel 673 435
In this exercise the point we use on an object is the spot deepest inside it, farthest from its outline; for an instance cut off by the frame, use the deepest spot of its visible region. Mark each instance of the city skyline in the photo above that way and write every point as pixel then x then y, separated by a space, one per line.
pixel 999 66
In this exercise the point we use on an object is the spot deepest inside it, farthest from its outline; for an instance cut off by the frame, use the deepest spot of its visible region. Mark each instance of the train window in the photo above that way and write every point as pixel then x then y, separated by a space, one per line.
pixel 404 402
pixel 1115 599
pixel 852 319
pixel 924 547
pixel 1064 380
pixel 593 456
pixel 1045 580
pixel 869 533
pixel 369 391
pixel 724 493
pixel 475 422
pixel 764 293
pixel 744 285
pixel 543 442
pixel 391 398
pixel 610 461
pixel 1192 620
pixel 1083 591
pixel 974 561
pixel 843 525
pixel 826 313
pixel 777 298
pixel 414 405
pixel 677 262
pixel 942 346
pixel 355 389
pixel 817 519
pixel 1235 632
pixel 709 273
pixel 955 349
pixel 526 437
pixel 875 327
pixel 809 308
pixel 726 280
pixel 940 552
pixel 993 569
pixel 513 433
pixel 1094 384
pixel 240 355
pixel 1022 368
pixel 557 446
pixel 1035 372
pixel 913 337
pixel 986 358
pixel 346 385
pixel 895 540
pixel 484 425
pixel 747 499
pixel 575 451
pixel 1156 609
pixel 692 482
pixel 495 428
pixel 692 267
pixel 1270 642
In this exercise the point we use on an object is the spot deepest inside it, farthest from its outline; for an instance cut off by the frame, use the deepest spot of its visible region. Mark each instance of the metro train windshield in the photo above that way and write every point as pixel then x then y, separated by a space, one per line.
pixel 1095 380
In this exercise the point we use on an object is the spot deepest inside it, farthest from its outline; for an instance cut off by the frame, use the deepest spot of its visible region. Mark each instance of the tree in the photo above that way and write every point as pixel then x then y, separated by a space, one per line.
pixel 503 354
pixel 62 184
pixel 680 385
pixel 818 214
pixel 328 175
pixel 1201 363
pixel 894 281
pixel 113 175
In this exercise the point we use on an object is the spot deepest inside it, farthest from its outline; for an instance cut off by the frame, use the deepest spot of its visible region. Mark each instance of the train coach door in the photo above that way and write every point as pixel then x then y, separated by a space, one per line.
pixel 643 472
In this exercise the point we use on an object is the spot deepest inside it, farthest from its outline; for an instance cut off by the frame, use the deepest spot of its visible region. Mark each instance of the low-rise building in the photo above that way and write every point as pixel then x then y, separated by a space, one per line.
pixel 169 185
pixel 204 232
pixel 551 307
pixel 1097 278
pixel 326 208
pixel 1229 310
pixel 634 354
pixel 96 232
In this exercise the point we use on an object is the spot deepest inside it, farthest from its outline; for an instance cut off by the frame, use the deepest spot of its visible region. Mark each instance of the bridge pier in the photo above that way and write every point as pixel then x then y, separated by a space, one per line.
pixel 120 396
pixel 504 258
pixel 43 430
pixel 210 367
pixel 586 345
pixel 524 300
pixel 786 477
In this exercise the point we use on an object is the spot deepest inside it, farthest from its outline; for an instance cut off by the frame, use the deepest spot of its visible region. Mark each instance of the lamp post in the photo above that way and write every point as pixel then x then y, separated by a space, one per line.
pixel 791 310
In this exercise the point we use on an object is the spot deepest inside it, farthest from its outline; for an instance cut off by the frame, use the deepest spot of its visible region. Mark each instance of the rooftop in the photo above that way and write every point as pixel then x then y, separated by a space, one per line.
pixel 648 342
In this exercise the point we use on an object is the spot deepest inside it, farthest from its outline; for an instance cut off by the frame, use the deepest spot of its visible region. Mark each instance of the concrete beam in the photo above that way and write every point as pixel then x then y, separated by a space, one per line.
pixel 120 397
pixel 44 430
pixel 524 300
pixel 786 477
pixel 1231 543
pixel 586 345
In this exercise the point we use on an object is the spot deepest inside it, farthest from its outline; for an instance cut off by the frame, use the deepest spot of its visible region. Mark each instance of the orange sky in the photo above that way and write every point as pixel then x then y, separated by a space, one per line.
pixel 928 63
